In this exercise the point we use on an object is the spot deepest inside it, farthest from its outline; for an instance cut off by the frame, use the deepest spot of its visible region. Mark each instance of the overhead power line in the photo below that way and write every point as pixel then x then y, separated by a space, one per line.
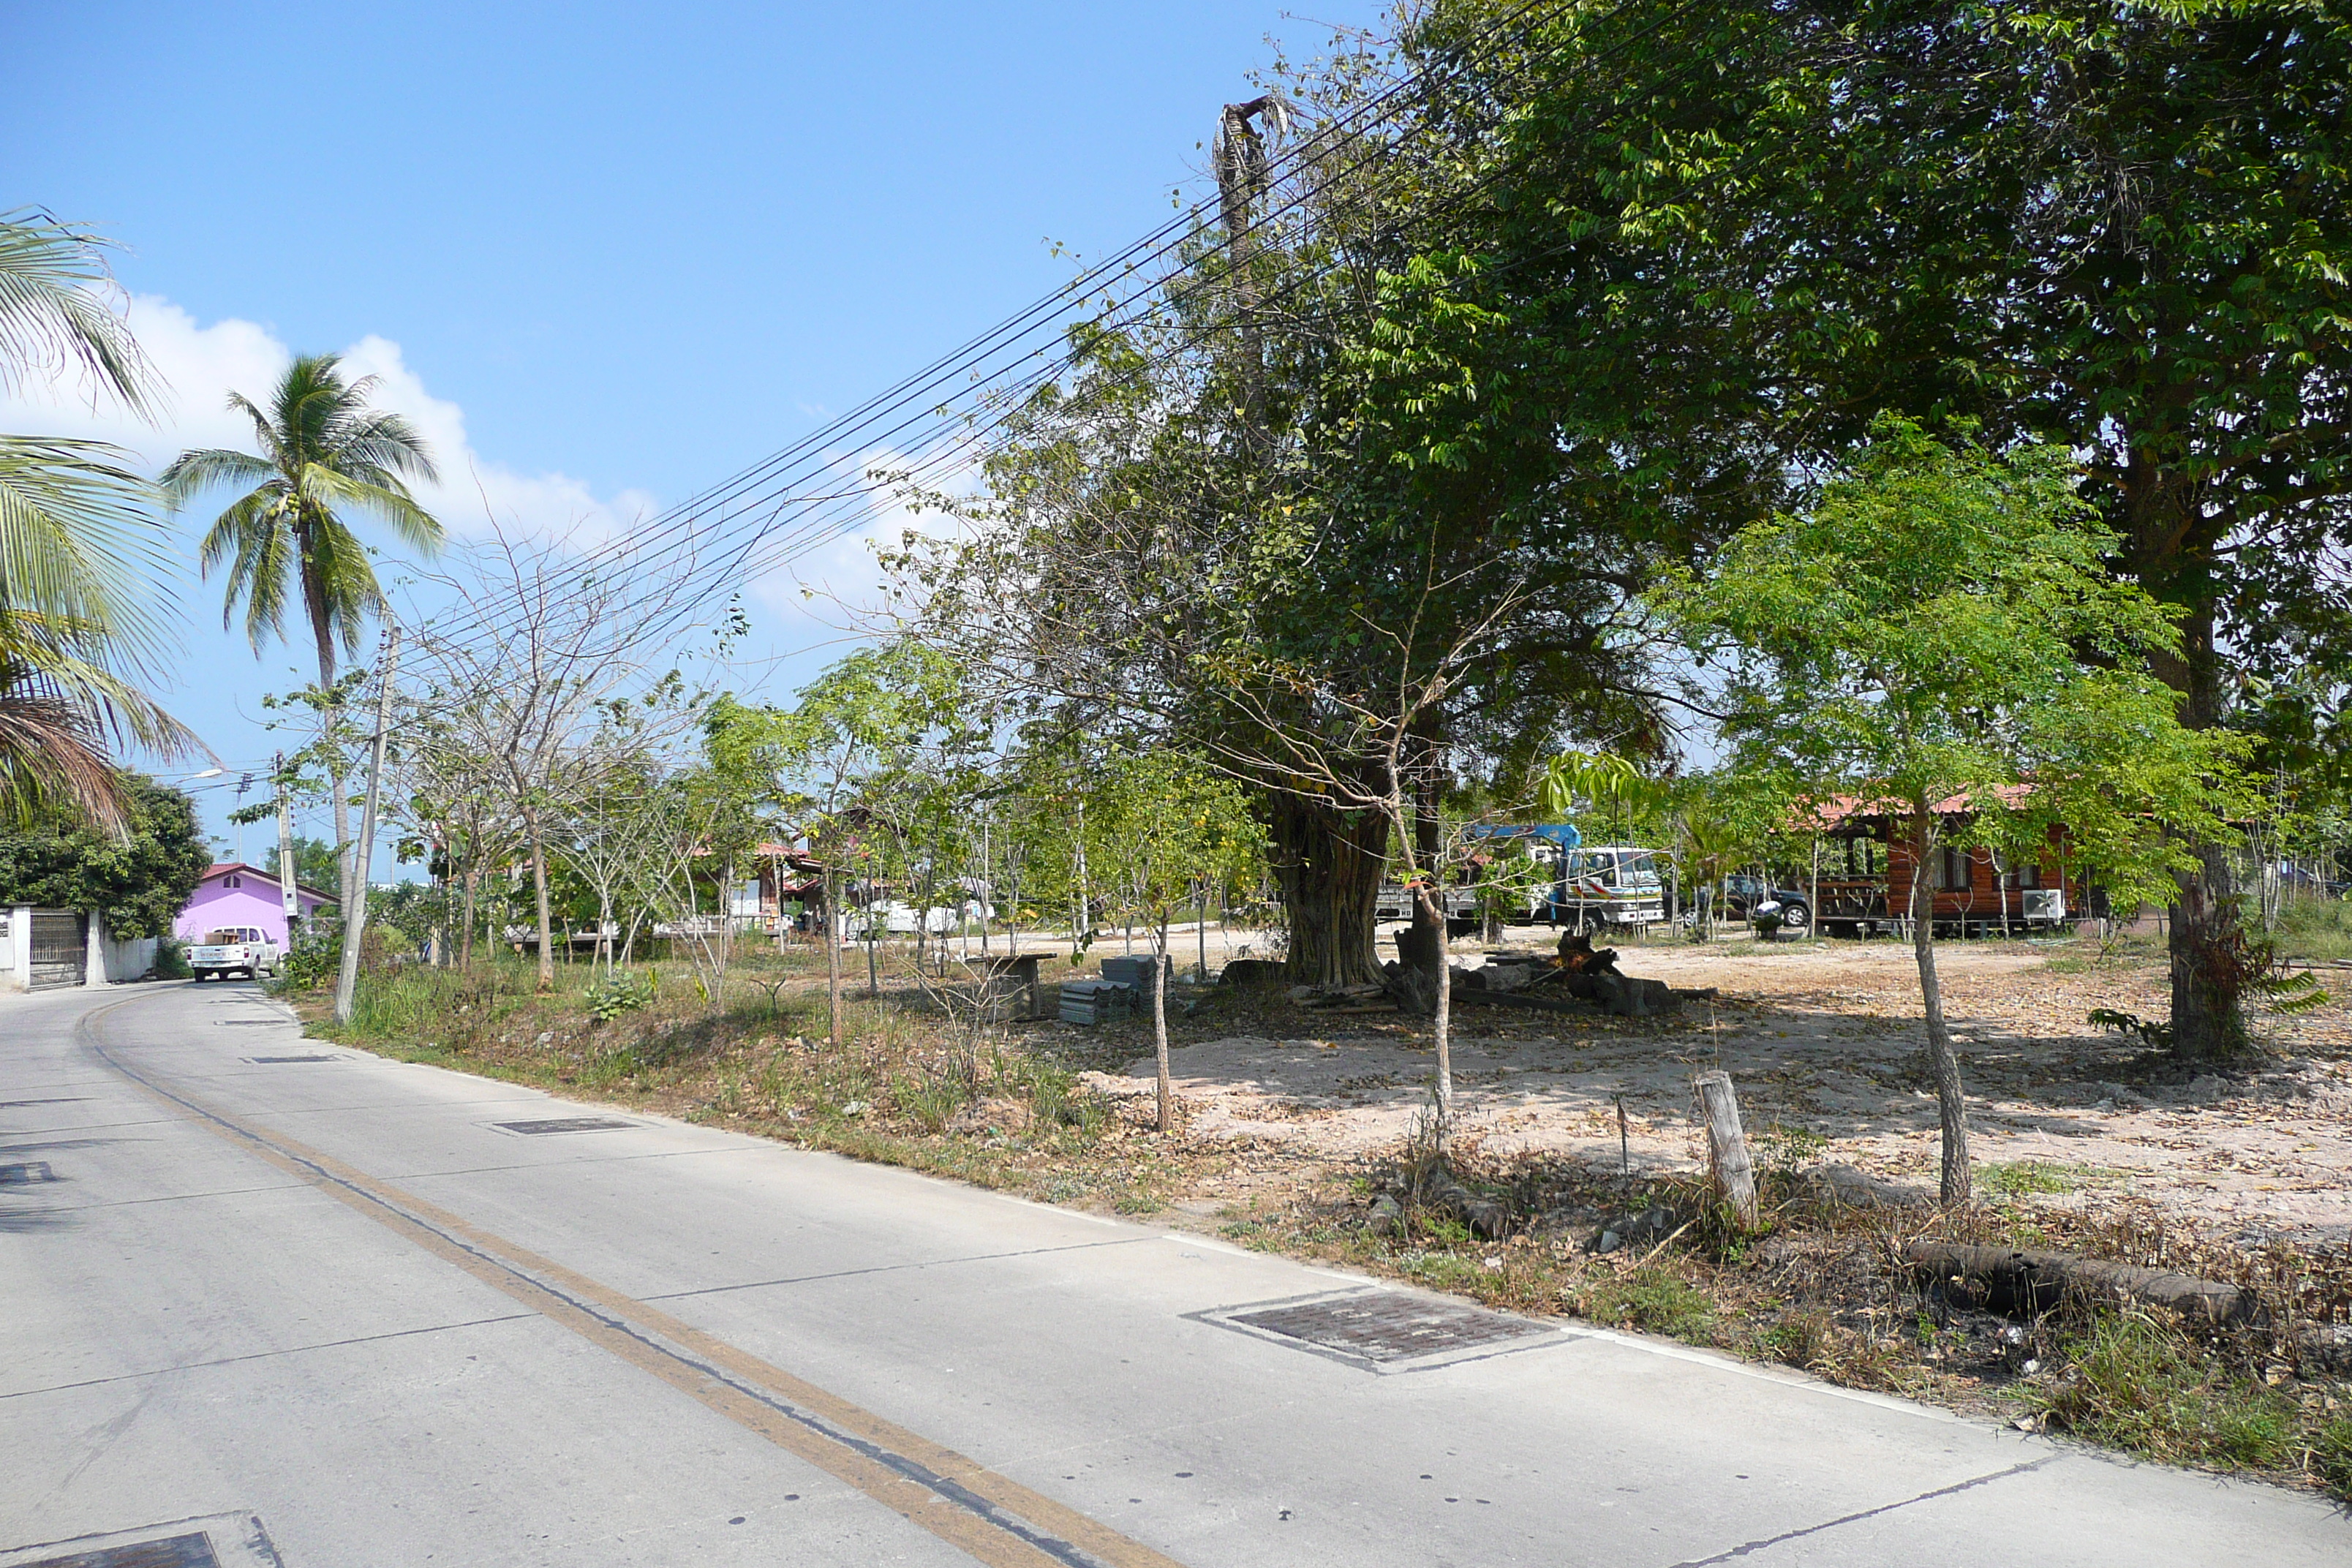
pixel 765 517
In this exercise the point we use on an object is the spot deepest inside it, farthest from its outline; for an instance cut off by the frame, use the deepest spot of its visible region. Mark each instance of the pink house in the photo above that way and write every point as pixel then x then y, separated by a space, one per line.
pixel 235 894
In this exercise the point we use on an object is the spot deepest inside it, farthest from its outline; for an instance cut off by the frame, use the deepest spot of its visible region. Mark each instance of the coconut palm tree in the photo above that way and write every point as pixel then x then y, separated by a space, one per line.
pixel 324 456
pixel 82 555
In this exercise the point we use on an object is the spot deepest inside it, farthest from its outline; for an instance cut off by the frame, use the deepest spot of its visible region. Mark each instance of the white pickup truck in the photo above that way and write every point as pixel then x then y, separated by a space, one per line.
pixel 235 948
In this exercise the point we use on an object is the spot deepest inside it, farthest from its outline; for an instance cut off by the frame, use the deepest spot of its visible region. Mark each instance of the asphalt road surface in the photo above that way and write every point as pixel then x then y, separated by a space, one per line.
pixel 272 1301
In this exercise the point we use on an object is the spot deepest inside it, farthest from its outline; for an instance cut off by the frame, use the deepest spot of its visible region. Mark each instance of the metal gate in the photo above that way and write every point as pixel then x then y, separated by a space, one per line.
pixel 60 948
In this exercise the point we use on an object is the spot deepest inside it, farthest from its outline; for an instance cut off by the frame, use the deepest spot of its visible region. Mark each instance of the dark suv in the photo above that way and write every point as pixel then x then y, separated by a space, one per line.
pixel 1743 894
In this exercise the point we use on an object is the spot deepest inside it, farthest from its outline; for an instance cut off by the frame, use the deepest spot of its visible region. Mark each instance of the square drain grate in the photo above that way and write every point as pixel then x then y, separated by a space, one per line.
pixel 564 1124
pixel 215 1541
pixel 281 1061
pixel 1382 1327
pixel 178 1552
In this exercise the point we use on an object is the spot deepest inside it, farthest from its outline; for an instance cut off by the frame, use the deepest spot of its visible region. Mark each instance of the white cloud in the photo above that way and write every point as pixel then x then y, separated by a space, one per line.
pixel 203 365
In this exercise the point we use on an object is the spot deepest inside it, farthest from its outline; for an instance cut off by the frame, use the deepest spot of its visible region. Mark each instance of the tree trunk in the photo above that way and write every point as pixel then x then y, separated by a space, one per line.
pixel 832 958
pixel 1160 1015
pixel 539 892
pixel 2163 553
pixel 315 601
pixel 1201 933
pixel 1943 1067
pixel 1328 864
pixel 465 940
pixel 1443 1029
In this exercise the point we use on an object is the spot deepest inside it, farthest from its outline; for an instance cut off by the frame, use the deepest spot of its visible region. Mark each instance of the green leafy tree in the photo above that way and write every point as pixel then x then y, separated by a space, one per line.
pixel 1942 626
pixel 325 457
pixel 137 879
pixel 845 767
pixel 1164 821
pixel 2124 229
pixel 81 552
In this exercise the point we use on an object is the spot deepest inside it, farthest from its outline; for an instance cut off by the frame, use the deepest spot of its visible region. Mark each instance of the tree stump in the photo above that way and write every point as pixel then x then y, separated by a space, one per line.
pixel 1735 1177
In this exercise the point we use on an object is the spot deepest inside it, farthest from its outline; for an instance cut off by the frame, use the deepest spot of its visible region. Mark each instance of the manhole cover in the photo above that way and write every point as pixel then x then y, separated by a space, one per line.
pixel 565 1124
pixel 279 1061
pixel 216 1540
pixel 179 1552
pixel 31 1170
pixel 1383 1326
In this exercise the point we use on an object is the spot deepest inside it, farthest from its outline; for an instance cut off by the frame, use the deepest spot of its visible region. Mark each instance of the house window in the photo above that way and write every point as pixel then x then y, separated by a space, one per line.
pixel 1951 871
pixel 234 880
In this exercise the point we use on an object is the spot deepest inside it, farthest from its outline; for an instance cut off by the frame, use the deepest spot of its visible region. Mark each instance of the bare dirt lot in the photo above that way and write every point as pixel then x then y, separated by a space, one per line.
pixel 1823 1038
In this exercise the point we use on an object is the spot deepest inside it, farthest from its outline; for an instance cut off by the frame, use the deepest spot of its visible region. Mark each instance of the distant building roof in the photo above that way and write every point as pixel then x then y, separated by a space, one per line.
pixel 222 867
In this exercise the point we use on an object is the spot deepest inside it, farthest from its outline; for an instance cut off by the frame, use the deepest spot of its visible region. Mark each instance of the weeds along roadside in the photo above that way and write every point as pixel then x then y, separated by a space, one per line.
pixel 903 1089
pixel 1820 1287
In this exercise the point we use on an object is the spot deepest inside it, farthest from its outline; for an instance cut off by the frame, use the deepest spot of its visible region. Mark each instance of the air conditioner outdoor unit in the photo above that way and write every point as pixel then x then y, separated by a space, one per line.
pixel 2044 906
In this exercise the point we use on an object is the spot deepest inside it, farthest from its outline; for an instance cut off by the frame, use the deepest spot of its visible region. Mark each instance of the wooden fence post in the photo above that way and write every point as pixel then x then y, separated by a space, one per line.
pixel 1734 1176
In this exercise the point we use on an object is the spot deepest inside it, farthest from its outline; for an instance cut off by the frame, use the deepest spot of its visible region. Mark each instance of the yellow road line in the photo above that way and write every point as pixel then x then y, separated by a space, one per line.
pixel 992 1518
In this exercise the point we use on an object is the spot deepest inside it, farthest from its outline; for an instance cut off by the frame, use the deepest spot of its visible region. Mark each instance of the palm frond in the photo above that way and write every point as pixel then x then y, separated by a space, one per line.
pixel 52 761
pixel 79 538
pixel 262 555
pixel 52 319
pixel 385 448
pixel 61 702
pixel 192 473
pixel 389 502
pixel 343 580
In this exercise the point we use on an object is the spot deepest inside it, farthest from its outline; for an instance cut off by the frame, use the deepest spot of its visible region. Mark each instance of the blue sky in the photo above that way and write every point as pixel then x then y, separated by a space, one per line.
pixel 605 255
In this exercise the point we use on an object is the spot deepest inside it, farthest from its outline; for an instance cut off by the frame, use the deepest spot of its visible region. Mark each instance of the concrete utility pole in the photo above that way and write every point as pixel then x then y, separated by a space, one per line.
pixel 288 897
pixel 355 908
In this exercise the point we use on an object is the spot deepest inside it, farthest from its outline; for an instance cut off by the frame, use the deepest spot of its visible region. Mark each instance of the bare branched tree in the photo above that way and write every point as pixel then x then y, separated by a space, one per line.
pixel 541 649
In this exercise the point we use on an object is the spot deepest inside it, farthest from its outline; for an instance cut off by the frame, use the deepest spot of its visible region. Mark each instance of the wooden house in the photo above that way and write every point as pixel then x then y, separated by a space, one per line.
pixel 1868 864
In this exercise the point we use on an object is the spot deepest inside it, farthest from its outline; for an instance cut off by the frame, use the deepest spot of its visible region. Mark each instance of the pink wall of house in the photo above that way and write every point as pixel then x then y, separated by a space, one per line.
pixel 239 894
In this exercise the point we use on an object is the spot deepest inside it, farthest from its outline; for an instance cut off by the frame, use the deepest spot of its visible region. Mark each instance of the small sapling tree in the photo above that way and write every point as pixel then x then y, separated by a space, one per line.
pixel 1941 628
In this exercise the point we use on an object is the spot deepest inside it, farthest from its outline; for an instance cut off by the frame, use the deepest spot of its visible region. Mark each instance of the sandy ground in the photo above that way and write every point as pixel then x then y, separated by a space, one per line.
pixel 1826 1039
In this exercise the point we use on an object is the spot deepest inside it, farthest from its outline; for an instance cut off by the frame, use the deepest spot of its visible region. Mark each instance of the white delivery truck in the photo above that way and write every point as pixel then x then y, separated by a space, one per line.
pixel 1604 885
pixel 235 950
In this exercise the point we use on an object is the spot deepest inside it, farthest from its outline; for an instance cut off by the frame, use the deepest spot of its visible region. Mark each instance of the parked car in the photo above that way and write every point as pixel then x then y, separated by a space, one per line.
pixel 233 950
pixel 1745 896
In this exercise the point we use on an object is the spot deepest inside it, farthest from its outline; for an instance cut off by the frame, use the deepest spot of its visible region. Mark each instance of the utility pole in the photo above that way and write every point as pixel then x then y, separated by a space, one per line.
pixel 355 911
pixel 286 891
pixel 244 787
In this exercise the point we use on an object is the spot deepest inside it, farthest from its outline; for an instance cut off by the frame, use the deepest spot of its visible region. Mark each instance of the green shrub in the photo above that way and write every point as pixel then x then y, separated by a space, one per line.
pixel 619 993
pixel 316 956
pixel 172 959
pixel 1655 1300
pixel 2331 1456
pixel 2139 1384
pixel 2019 1178
pixel 2316 929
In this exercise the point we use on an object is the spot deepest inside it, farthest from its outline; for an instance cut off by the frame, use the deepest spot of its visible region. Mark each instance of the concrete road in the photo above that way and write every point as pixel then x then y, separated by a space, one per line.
pixel 282 1302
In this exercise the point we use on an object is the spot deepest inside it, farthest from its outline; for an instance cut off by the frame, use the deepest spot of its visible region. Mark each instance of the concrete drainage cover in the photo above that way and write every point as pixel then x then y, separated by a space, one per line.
pixel 281 1061
pixel 1386 1329
pixel 217 1541
pixel 564 1124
